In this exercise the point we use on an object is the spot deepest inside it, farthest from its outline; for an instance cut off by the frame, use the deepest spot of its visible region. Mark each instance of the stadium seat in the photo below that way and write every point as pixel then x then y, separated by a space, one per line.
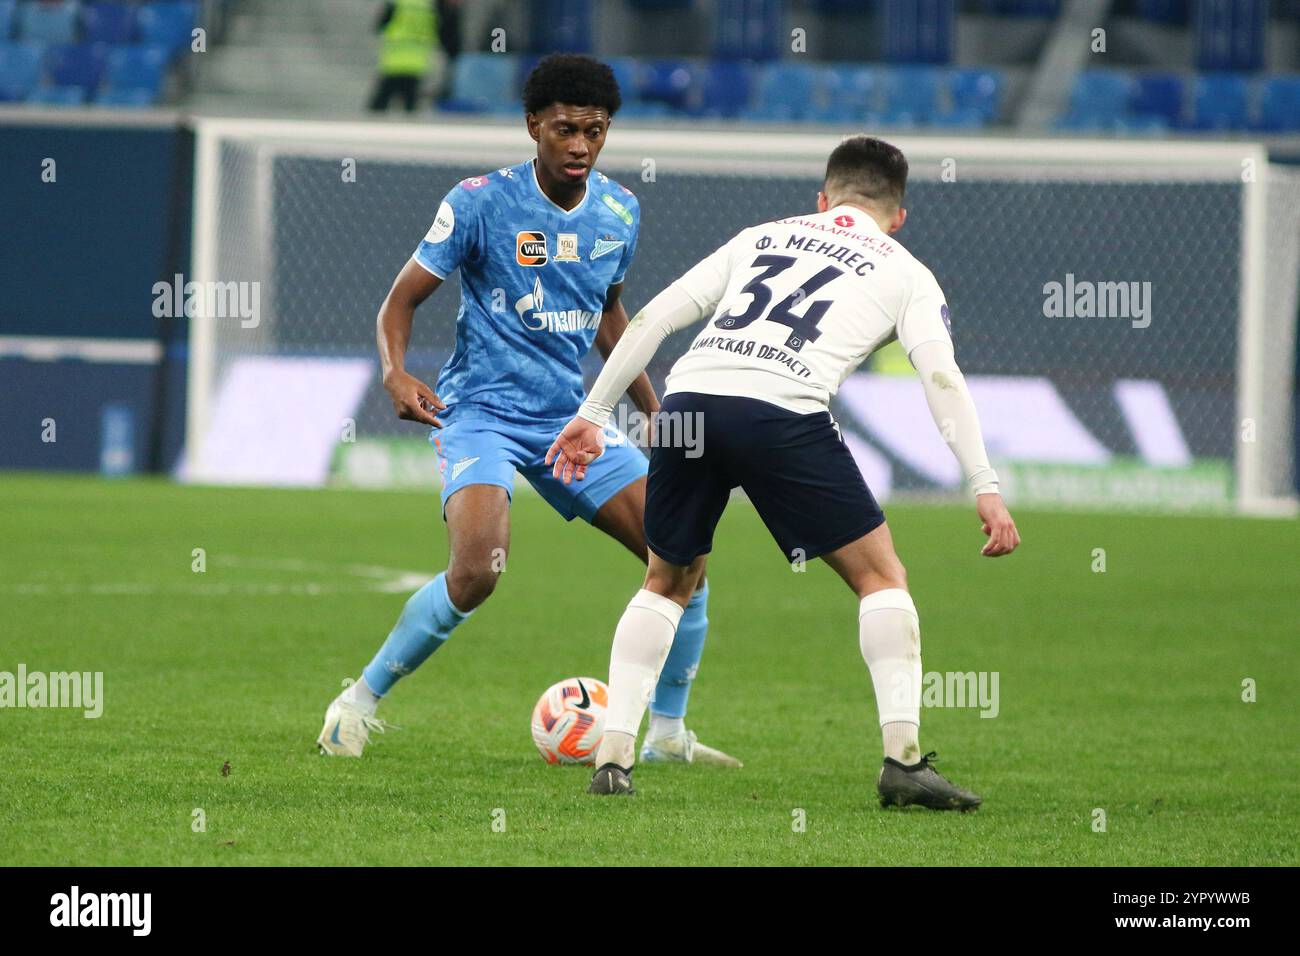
pixel 848 92
pixel 1134 124
pixel 639 109
pixel 485 83
pixel 785 92
pixel 127 97
pixel 20 69
pixel 1159 95
pixel 911 94
pixel 48 22
pixel 7 8
pixel 1099 97
pixel 1022 8
pixel 1220 101
pixel 1279 104
pixel 167 24
pixel 978 90
pixel 726 88
pixel 58 96
pixel 108 23
pixel 962 117
pixel 136 68
pixel 1164 11
pixel 77 64
pixel 667 81
pixel 627 73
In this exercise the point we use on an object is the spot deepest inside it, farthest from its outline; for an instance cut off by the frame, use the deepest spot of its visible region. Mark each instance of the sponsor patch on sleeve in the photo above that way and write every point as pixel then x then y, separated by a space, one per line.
pixel 443 224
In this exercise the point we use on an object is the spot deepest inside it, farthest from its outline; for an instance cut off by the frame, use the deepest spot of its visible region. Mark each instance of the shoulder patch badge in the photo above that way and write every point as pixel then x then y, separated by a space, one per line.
pixel 618 208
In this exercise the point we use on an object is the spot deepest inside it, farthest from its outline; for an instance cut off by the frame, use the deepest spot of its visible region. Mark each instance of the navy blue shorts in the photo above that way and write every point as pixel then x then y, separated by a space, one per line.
pixel 795 468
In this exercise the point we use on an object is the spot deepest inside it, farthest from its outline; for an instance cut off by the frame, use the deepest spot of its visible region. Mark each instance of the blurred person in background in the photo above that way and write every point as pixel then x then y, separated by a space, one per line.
pixel 410 31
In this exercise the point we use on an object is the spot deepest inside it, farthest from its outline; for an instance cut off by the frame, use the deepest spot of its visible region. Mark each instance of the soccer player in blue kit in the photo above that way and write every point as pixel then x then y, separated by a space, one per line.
pixel 542 249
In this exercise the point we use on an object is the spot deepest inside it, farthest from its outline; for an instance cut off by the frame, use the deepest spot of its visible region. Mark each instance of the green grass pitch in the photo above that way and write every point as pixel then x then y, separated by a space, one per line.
pixel 1119 691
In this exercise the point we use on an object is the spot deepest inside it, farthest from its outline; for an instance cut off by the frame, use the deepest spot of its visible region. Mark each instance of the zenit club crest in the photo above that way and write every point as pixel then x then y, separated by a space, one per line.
pixel 530 248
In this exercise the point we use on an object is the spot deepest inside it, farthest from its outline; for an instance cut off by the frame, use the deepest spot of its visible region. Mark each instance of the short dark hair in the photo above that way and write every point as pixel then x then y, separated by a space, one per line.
pixel 574 79
pixel 867 168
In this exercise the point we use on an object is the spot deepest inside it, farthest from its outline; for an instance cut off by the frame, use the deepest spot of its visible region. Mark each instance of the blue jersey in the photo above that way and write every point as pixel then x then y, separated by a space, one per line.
pixel 533 284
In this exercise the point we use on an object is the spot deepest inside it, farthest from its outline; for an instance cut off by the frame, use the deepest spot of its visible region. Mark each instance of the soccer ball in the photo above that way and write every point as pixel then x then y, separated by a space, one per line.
pixel 569 720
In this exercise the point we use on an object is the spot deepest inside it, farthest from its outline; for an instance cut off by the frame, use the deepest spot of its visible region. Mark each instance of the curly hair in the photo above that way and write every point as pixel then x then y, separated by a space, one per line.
pixel 569 78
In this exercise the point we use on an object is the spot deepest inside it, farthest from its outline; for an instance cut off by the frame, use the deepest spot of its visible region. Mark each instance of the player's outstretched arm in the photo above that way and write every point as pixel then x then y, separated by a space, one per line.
pixel 613 323
pixel 413 400
pixel 579 444
pixel 954 414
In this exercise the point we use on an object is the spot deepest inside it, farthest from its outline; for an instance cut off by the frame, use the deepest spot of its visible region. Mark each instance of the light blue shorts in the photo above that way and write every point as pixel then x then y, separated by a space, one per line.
pixel 488 451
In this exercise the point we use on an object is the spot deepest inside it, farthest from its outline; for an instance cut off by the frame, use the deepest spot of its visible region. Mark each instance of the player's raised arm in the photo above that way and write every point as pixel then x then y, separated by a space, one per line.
pixel 413 400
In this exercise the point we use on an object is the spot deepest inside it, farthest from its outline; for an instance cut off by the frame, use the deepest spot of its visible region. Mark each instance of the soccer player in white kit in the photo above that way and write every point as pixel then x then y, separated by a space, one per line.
pixel 793 307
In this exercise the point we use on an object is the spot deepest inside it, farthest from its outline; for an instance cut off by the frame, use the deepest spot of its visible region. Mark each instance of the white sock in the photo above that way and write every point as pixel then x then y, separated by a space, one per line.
pixel 889 633
pixel 641 643
pixel 902 741
pixel 661 726
pixel 360 696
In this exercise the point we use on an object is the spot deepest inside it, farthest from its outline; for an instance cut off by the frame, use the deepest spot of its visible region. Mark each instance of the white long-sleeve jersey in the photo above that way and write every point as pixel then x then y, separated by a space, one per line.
pixel 793 308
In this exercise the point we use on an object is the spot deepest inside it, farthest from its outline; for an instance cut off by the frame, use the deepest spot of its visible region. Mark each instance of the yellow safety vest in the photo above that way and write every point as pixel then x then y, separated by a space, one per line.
pixel 408 39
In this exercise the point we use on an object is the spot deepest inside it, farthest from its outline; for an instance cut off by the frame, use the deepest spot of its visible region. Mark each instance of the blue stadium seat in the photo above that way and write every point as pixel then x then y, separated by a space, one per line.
pixel 20 69
pixel 849 91
pixel 77 64
pixel 962 117
pixel 136 68
pixel 108 23
pixel 1137 125
pixel 1279 104
pixel 127 97
pixel 1099 97
pixel 1022 8
pixel 485 83
pixel 7 9
pixel 911 94
pixel 1164 11
pixel 627 73
pixel 167 24
pixel 667 81
pixel 48 22
pixel 726 89
pixel 58 96
pixel 1160 95
pixel 1220 101
pixel 785 92
pixel 639 109
pixel 978 90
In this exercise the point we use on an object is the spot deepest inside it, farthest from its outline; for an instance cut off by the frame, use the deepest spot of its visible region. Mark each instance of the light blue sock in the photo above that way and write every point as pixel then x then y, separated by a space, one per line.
pixel 683 659
pixel 426 622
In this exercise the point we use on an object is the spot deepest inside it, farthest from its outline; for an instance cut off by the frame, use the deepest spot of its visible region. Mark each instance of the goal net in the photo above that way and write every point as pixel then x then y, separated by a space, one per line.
pixel 1125 312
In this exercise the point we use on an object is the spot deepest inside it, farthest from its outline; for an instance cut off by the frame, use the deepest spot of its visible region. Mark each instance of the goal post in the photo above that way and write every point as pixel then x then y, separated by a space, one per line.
pixel 1125 311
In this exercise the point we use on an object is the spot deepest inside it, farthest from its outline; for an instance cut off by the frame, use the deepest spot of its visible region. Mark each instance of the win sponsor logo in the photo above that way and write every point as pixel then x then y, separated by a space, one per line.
pixel 74 908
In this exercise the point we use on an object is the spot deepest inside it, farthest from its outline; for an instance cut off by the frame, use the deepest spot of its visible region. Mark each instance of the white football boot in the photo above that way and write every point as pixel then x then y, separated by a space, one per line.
pixel 347 729
pixel 684 747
